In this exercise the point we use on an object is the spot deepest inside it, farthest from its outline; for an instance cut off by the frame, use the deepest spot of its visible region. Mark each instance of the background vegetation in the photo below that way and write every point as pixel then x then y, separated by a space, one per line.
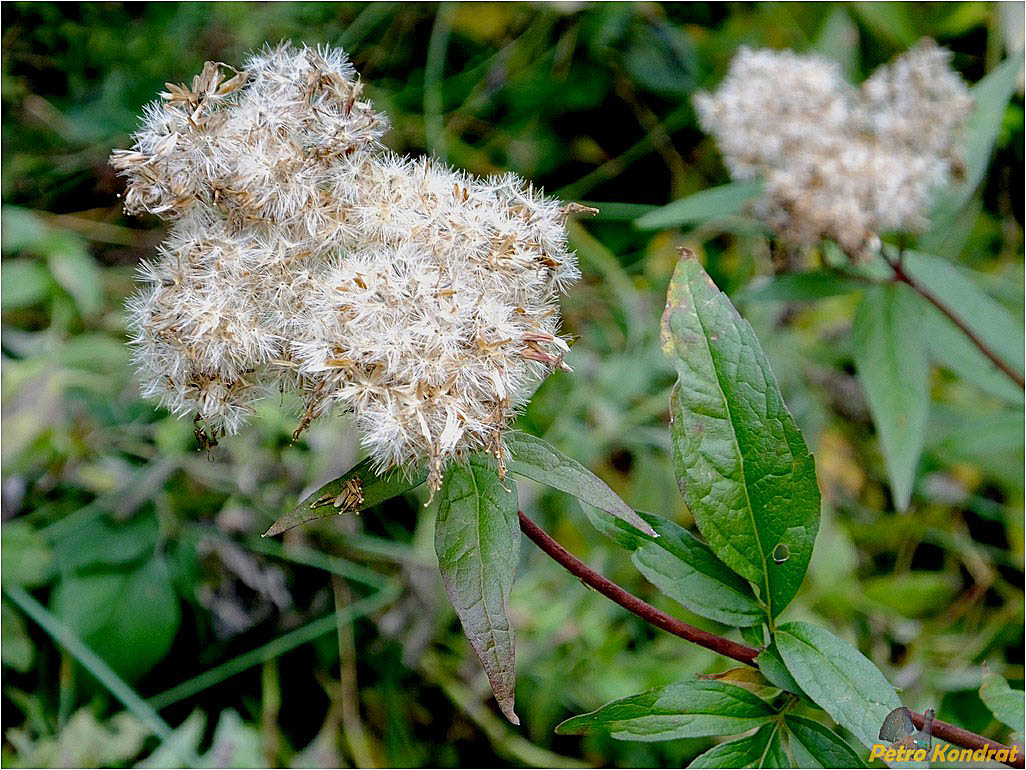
pixel 336 646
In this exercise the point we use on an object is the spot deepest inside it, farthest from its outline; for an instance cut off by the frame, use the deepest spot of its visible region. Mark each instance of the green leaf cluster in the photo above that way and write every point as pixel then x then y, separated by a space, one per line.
pixel 750 482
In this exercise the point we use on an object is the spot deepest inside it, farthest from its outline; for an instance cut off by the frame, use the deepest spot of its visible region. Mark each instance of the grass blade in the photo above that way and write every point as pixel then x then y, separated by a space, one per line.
pixel 95 665
pixel 273 649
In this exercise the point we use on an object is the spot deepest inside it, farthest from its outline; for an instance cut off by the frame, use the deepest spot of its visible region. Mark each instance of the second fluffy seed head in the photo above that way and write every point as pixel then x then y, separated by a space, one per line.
pixel 838 161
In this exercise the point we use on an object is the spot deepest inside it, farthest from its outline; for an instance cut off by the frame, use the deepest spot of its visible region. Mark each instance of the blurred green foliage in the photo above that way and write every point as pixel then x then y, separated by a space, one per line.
pixel 118 531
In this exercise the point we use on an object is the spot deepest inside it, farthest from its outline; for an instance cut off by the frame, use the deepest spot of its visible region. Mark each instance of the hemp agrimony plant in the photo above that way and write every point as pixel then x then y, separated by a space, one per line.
pixel 304 257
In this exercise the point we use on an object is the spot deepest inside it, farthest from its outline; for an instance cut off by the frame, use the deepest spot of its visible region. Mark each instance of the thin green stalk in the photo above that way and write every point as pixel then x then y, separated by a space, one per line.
pixel 366 20
pixel 353 731
pixel 270 710
pixel 434 71
pixel 298 554
pixel 505 740
pixel 615 166
pixel 276 647
pixel 96 666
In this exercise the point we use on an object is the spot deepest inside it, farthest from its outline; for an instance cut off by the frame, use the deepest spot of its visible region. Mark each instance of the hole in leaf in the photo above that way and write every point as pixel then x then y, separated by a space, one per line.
pixel 781 553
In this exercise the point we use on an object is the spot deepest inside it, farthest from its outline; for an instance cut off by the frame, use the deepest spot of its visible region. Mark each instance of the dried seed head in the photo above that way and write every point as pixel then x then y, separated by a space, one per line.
pixel 302 256
pixel 837 161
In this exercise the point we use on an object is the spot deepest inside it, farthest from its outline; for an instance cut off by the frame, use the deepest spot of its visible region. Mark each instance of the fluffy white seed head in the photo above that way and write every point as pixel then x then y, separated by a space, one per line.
pixel 302 256
pixel 774 104
pixel 919 103
pixel 837 161
pixel 253 142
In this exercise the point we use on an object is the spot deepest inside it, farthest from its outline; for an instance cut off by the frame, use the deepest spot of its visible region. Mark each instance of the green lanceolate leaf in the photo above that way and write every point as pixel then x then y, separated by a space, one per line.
pixel 990 97
pixel 1005 703
pixel 726 200
pixel 477 539
pixel 986 316
pixel 540 461
pixel 815 745
pixel 685 569
pixel 772 667
pixel 621 533
pixel 740 460
pixel 814 284
pixel 356 490
pixel 890 356
pixel 838 678
pixel 760 749
pixel 688 709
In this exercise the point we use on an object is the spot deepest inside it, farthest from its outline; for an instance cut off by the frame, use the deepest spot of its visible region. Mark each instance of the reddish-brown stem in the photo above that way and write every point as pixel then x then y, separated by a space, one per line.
pixel 726 647
pixel 900 275
pixel 627 600
pixel 967 740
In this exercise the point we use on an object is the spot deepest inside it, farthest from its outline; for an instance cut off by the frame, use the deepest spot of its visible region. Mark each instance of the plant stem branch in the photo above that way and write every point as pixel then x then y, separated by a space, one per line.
pixel 959 736
pixel 902 276
pixel 353 733
pixel 731 649
pixel 726 647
